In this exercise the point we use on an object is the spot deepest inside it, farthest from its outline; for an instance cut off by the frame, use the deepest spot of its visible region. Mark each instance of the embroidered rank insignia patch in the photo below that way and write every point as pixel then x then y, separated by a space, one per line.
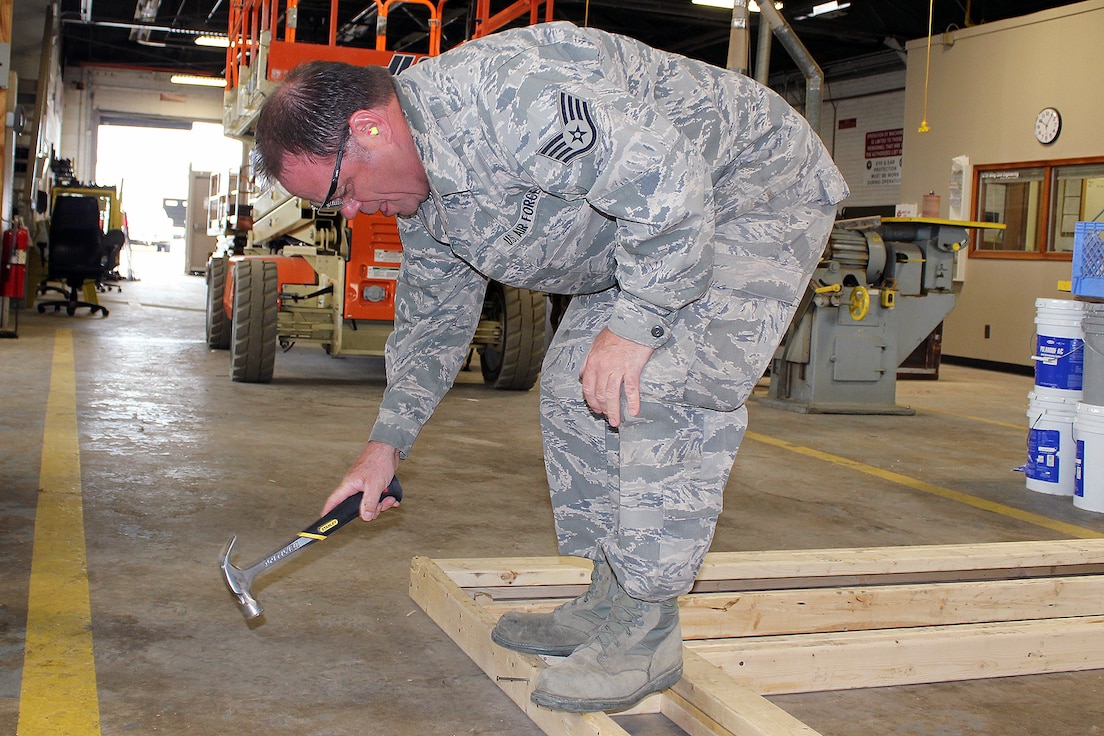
pixel 577 136
pixel 401 62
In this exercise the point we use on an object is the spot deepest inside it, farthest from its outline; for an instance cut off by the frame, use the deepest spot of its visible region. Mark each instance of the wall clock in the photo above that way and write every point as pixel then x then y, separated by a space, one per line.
pixel 1048 124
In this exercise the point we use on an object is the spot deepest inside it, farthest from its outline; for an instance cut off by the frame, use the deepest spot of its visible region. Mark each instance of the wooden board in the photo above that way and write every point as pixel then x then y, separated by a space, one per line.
pixel 704 701
pixel 760 623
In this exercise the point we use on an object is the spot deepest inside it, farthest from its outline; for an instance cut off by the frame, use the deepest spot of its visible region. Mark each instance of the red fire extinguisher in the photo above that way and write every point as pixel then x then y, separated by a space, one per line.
pixel 13 261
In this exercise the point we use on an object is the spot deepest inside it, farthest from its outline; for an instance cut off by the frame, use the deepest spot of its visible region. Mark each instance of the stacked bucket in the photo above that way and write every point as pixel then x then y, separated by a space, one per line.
pixel 1065 445
pixel 1088 424
pixel 1052 406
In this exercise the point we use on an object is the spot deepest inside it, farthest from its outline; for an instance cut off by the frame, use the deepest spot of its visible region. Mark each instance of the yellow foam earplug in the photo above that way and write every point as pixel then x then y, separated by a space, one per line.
pixel 373 130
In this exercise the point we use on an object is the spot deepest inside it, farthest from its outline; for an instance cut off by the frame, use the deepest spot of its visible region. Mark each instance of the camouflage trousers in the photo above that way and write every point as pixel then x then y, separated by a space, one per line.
pixel 649 492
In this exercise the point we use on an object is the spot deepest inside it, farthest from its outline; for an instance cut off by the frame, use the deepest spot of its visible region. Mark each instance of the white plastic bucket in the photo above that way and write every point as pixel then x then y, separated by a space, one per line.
pixel 1092 329
pixel 1059 347
pixel 1051 453
pixel 1088 432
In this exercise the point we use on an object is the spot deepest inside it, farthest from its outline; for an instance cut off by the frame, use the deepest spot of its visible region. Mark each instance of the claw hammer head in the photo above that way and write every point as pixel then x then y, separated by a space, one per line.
pixel 239 582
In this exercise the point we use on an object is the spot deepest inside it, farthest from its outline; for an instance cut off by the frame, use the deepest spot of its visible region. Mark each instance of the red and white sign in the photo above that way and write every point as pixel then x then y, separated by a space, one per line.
pixel 883 157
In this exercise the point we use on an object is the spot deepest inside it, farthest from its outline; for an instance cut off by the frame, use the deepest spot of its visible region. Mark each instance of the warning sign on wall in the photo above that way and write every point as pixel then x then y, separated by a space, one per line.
pixel 884 143
pixel 883 157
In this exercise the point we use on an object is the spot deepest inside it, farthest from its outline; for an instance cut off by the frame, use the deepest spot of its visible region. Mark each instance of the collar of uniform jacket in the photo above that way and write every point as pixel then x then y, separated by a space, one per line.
pixel 431 125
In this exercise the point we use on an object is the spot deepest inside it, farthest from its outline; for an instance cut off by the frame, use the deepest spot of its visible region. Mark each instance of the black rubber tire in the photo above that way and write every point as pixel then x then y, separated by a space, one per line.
pixel 217 324
pixel 514 363
pixel 253 325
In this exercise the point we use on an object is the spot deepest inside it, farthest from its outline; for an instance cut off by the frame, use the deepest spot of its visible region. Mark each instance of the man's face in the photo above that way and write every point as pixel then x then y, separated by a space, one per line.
pixel 385 179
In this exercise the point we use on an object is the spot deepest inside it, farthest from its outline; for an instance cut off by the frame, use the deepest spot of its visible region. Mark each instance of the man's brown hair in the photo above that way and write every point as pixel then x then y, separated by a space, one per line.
pixel 309 112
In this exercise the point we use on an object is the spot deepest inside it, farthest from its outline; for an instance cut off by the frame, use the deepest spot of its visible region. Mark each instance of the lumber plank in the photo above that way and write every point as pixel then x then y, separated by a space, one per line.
pixel 469 626
pixel 897 560
pixel 774 622
pixel 557 593
pixel 489 572
pixel 706 694
pixel 842 661
pixel 820 610
pixel 1045 557
pixel 689 718
pixel 725 705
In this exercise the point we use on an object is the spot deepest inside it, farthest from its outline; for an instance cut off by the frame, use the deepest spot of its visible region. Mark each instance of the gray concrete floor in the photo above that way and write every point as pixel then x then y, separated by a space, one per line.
pixel 176 458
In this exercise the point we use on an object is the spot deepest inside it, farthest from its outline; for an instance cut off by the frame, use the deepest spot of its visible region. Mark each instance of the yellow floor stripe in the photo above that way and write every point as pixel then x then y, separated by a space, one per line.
pixel 1039 520
pixel 1022 427
pixel 59 676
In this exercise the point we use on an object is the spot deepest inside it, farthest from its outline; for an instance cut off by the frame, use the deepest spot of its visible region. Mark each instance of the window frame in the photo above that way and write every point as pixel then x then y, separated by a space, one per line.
pixel 1045 218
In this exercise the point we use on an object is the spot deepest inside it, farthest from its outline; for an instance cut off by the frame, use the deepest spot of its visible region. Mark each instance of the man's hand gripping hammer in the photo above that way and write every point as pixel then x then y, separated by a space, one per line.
pixel 240 582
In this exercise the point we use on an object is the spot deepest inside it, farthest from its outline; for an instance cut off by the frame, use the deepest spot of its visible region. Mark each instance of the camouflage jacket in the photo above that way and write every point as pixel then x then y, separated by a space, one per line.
pixel 569 160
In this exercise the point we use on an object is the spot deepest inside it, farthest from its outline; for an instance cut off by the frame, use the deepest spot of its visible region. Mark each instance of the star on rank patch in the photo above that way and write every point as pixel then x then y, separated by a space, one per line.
pixel 577 137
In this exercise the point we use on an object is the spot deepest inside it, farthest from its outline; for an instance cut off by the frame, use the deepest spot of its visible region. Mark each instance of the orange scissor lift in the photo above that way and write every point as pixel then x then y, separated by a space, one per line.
pixel 295 275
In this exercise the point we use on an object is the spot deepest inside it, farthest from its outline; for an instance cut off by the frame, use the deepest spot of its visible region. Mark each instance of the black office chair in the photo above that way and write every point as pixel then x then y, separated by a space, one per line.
pixel 79 251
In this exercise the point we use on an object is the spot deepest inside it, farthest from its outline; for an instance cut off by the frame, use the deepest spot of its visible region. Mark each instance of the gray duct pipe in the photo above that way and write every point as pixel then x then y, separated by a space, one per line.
pixel 762 52
pixel 814 75
pixel 738 38
pixel 139 26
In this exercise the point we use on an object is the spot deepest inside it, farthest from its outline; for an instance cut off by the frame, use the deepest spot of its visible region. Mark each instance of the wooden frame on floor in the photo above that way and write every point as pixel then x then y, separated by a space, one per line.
pixel 766 623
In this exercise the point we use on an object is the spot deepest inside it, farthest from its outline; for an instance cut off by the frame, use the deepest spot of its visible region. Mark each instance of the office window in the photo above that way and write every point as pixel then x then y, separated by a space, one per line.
pixel 1011 197
pixel 1078 195
pixel 1040 203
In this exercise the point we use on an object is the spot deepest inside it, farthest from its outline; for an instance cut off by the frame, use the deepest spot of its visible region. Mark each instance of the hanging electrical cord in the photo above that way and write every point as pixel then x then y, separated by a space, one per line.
pixel 927 68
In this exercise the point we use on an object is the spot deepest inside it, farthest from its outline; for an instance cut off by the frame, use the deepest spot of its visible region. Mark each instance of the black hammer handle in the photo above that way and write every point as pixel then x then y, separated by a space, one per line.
pixel 346 511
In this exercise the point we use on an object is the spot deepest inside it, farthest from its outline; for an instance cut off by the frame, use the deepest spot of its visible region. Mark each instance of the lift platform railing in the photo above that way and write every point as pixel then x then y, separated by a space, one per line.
pixel 487 22
pixel 275 21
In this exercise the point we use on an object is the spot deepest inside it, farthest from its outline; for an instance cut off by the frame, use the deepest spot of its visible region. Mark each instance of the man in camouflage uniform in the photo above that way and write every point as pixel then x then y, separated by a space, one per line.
pixel 684 207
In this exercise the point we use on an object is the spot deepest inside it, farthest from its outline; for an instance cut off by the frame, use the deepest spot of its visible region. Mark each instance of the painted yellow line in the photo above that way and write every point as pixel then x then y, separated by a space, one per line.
pixel 58 693
pixel 1023 427
pixel 1039 520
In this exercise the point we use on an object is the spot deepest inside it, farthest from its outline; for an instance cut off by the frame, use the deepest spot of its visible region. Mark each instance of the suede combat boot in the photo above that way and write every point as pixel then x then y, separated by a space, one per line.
pixel 560 632
pixel 636 652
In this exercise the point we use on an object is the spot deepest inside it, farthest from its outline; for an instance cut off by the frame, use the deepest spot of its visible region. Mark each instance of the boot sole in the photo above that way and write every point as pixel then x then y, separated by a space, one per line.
pixel 530 648
pixel 592 705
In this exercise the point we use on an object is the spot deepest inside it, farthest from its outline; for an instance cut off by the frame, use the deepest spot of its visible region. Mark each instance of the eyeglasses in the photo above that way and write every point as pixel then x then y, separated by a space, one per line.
pixel 329 203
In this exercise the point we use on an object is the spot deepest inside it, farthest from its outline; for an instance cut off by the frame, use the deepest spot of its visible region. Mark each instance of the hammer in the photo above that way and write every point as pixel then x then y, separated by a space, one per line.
pixel 240 581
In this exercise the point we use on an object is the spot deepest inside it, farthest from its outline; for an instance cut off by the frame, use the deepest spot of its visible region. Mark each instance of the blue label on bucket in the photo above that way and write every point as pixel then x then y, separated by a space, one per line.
pixel 1059 362
pixel 1078 470
pixel 1042 454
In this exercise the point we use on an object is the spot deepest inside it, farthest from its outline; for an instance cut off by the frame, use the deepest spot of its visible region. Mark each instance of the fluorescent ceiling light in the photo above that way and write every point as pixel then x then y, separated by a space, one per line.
pixel 752 5
pixel 197 80
pixel 217 41
pixel 824 8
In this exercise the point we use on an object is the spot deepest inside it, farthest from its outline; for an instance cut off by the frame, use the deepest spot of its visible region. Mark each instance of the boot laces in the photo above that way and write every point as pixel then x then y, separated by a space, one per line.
pixel 626 617
pixel 591 593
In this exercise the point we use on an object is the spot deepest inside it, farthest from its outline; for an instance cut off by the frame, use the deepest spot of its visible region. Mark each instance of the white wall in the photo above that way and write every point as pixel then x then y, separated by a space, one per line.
pixel 90 93
pixel 27 37
pixel 986 85
pixel 873 181
pixel 853 108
